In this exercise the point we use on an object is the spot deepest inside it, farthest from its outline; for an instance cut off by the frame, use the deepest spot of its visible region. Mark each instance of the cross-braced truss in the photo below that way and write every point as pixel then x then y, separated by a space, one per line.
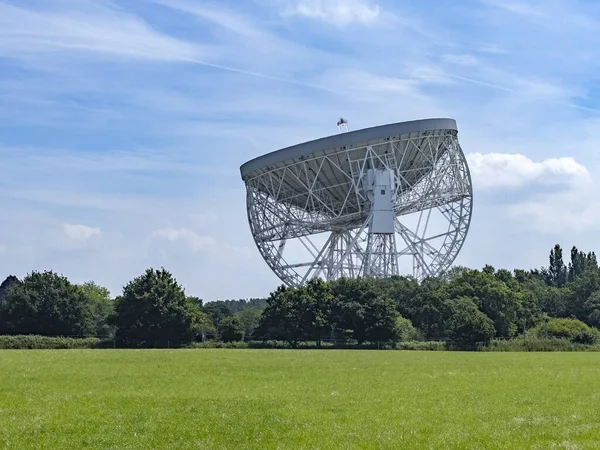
pixel 310 217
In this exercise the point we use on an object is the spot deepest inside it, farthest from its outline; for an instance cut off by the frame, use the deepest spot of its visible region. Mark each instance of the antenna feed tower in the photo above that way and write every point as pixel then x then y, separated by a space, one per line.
pixel 342 125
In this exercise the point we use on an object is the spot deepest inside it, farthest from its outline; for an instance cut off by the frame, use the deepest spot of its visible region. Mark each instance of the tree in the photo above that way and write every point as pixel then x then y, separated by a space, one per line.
pixel 468 325
pixel 102 307
pixel 250 318
pixel 557 269
pixel 47 304
pixel 236 306
pixel 298 313
pixel 232 329
pixel 406 331
pixel 592 309
pixel 452 273
pixel 362 312
pixel 580 262
pixel 154 308
pixel 196 301
pixel 493 297
pixel 404 291
pixel 316 309
pixel 11 280
pixel 432 312
pixel 217 311
pixel 281 318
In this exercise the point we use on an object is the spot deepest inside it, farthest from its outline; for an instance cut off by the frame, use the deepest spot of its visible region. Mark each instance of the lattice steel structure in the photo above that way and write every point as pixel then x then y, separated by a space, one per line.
pixel 362 203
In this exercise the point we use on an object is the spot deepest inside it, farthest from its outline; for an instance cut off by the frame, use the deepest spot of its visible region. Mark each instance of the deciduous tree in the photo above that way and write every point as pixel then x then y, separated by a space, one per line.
pixel 48 304
pixel 154 308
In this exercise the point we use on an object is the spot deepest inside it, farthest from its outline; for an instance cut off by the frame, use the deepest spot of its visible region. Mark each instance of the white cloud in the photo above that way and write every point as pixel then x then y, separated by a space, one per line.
pixel 218 15
pixel 493 170
pixel 357 81
pixel 202 243
pixel 192 239
pixel 557 214
pixel 492 49
pixel 428 74
pixel 518 8
pixel 338 12
pixel 91 27
pixel 461 59
pixel 80 232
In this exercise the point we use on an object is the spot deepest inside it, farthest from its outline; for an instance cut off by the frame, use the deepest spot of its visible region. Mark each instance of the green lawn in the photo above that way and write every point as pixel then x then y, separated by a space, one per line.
pixel 236 399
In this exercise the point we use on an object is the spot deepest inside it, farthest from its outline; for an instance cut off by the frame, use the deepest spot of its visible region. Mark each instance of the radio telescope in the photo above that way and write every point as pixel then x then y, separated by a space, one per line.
pixel 378 202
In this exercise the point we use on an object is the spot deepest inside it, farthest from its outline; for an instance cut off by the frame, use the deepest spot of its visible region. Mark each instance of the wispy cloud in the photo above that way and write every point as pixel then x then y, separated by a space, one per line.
pixel 338 12
pixel 87 27
pixel 461 59
pixel 518 7
pixel 80 232
pixel 194 240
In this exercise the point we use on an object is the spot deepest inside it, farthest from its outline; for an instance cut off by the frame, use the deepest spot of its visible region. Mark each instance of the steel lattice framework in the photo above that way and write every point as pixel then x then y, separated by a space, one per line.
pixel 360 203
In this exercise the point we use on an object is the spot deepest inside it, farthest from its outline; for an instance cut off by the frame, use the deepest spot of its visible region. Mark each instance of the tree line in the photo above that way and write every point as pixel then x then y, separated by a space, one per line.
pixel 464 306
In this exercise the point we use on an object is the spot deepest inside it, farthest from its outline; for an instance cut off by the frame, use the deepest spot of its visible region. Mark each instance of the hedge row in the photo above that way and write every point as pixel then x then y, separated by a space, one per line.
pixel 19 342
pixel 521 344
pixel 409 345
pixel 537 344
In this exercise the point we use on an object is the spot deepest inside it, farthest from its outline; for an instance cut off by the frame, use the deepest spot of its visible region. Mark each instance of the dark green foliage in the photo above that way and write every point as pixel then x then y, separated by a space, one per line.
pixel 468 325
pixel 11 280
pixel 247 311
pixel 102 307
pixel 232 329
pixel 294 314
pixel 557 270
pixel 537 344
pixel 37 342
pixel 216 311
pixel 48 304
pixel 492 296
pixel 463 307
pixel 236 306
pixel 250 318
pixel 362 312
pixel 153 308
pixel 580 262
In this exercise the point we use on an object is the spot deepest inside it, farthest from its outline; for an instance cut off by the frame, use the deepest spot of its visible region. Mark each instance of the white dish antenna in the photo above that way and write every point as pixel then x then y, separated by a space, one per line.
pixel 378 202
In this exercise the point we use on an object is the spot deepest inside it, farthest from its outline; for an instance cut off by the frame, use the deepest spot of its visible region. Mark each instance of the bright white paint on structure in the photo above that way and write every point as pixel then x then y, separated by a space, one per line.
pixel 362 203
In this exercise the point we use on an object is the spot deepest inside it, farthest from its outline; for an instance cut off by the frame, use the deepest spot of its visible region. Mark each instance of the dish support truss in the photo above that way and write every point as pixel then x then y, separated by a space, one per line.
pixel 359 212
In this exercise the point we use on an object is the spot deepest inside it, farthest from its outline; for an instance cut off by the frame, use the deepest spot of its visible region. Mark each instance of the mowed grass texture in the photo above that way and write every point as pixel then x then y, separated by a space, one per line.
pixel 263 399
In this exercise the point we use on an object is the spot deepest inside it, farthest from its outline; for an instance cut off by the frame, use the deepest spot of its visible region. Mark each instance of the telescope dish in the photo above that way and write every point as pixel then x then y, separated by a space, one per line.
pixel 378 202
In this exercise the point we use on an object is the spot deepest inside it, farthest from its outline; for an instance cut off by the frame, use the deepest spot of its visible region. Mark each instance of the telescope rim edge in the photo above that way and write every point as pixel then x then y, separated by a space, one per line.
pixel 345 139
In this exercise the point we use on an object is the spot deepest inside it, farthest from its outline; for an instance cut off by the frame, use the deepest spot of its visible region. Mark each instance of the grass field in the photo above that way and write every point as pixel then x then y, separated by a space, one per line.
pixel 237 399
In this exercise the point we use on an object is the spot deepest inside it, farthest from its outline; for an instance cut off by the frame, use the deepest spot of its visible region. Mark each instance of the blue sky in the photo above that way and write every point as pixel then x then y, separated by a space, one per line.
pixel 123 123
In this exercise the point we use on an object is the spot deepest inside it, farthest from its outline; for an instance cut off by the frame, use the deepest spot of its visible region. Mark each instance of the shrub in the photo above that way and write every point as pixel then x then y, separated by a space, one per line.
pixel 422 345
pixel 37 342
pixel 406 331
pixel 571 329
pixel 232 329
pixel 536 344
pixel 219 344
